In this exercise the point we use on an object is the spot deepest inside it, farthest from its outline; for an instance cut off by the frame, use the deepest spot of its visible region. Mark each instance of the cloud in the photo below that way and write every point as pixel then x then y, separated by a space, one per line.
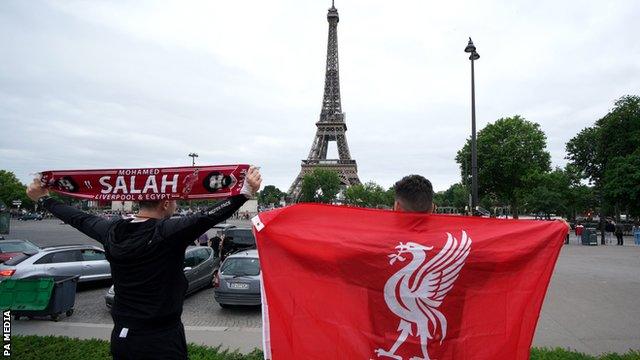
pixel 116 84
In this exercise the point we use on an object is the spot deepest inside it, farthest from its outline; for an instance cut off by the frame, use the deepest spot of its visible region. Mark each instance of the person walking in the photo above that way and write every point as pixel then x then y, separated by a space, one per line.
pixel 214 243
pixel 619 232
pixel 610 227
pixel 203 240
pixel 146 255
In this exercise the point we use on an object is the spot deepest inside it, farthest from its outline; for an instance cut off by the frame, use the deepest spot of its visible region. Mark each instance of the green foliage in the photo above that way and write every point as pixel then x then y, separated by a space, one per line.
pixel 270 195
pixel 320 186
pixel 583 152
pixel 509 150
pixel 369 195
pixel 607 154
pixel 562 354
pixel 12 189
pixel 621 182
pixel 456 196
pixel 547 193
pixel 58 347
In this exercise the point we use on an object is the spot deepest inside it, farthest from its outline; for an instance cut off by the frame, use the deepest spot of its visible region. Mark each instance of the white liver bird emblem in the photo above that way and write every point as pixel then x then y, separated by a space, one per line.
pixel 415 292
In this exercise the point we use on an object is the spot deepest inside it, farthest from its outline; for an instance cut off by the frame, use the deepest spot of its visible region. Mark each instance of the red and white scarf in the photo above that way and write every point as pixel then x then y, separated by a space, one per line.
pixel 144 184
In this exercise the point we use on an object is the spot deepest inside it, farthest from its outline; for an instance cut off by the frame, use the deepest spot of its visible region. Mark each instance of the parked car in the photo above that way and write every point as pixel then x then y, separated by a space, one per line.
pixel 199 267
pixel 236 239
pixel 30 216
pixel 219 229
pixel 238 281
pixel 86 261
pixel 11 248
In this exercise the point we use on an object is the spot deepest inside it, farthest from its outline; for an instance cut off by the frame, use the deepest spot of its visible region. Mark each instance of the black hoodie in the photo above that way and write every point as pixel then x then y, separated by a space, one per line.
pixel 146 258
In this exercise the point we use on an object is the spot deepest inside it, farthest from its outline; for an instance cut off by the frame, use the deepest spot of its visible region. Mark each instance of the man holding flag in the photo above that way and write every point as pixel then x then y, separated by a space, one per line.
pixel 403 284
pixel 146 255
pixel 413 193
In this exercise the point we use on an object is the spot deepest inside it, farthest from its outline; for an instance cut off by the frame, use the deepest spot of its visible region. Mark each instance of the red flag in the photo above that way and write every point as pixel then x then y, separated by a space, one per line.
pixel 188 183
pixel 347 283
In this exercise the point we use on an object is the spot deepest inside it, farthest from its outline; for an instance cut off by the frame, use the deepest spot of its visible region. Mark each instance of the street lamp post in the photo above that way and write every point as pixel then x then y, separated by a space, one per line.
pixel 193 157
pixel 474 151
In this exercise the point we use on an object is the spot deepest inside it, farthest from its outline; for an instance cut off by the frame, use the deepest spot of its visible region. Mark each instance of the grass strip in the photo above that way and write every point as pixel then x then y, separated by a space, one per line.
pixel 33 347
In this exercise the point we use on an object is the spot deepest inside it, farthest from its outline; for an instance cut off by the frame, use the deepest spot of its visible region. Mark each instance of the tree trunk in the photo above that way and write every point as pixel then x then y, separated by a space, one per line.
pixel 514 211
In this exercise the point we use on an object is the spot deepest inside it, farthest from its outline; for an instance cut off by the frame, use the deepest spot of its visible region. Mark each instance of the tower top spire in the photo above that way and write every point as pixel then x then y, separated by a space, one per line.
pixel 333 12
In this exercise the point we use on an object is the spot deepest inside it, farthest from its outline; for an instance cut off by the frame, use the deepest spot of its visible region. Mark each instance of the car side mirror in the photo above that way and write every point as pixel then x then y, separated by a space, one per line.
pixel 187 268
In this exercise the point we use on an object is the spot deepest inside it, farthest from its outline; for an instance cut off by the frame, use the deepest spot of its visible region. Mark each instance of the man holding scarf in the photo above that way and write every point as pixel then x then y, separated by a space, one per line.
pixel 146 255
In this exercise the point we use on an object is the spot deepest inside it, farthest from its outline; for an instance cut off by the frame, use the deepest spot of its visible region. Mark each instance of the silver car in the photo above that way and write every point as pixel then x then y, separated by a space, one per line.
pixel 86 261
pixel 199 267
pixel 238 281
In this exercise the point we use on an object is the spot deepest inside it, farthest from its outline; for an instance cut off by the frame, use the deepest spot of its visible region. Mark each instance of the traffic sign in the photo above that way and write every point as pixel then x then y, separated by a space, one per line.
pixel 17 202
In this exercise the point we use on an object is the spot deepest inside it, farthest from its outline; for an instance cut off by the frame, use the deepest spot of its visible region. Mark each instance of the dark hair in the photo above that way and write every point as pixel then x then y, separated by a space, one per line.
pixel 149 204
pixel 415 193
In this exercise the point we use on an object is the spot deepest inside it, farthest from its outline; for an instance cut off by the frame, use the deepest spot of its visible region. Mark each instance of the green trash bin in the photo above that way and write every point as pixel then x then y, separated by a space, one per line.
pixel 25 294
pixel 589 236
pixel 39 297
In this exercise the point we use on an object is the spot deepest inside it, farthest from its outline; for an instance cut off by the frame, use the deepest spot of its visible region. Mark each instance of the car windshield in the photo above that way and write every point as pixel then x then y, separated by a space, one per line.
pixel 17 246
pixel 243 237
pixel 241 267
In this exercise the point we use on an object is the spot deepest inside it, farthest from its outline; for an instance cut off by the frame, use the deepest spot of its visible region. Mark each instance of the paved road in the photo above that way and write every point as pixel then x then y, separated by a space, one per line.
pixel 591 306
pixel 51 232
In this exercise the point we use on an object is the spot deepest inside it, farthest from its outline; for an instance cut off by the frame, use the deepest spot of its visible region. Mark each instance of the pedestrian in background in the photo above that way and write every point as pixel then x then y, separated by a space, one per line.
pixel 619 231
pixel 609 228
pixel 203 239
pixel 214 244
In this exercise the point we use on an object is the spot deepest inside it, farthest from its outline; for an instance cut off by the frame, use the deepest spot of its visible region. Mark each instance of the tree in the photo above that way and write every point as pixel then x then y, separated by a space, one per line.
pixel 606 155
pixel 547 193
pixel 621 182
pixel 509 150
pixel 12 189
pixel 369 195
pixel 456 196
pixel 582 151
pixel 390 196
pixel 270 195
pixel 320 186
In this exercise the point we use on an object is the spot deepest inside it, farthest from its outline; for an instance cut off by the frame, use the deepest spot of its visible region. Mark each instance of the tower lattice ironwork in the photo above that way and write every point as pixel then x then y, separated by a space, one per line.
pixel 331 126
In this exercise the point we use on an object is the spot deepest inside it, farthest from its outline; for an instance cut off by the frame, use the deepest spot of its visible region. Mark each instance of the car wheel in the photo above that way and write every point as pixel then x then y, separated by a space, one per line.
pixel 69 312
pixel 224 306
pixel 55 317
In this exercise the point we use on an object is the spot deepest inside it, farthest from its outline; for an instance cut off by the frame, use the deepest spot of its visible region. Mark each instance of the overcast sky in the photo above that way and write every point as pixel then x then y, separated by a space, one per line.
pixel 94 84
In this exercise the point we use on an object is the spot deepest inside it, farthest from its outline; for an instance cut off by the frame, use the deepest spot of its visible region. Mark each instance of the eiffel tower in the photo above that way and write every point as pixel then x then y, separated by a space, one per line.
pixel 331 126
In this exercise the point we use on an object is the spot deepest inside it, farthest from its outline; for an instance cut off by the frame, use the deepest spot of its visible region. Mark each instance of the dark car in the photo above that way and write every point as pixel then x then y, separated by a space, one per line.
pixel 30 216
pixel 236 239
pixel 199 266
pixel 11 248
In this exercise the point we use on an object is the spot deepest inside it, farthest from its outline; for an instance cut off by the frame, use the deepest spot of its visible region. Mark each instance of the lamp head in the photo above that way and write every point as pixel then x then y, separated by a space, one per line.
pixel 470 47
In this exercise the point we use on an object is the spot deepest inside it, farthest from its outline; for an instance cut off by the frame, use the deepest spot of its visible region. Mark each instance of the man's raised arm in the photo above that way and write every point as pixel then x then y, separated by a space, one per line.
pixel 190 227
pixel 93 226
